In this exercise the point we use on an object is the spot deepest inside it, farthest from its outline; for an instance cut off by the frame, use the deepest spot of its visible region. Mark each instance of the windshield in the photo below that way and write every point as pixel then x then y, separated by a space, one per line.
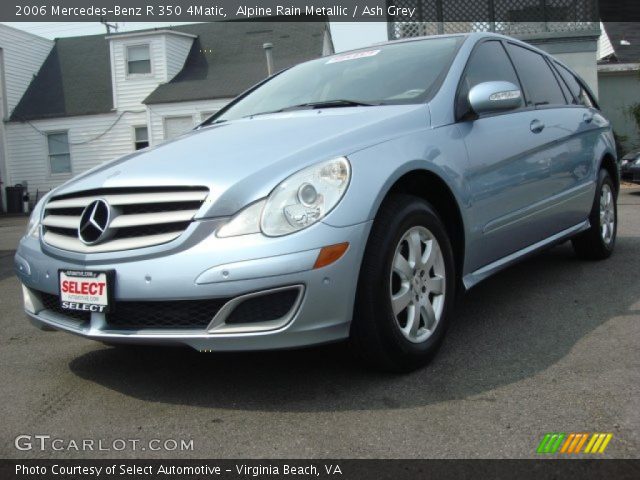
pixel 391 74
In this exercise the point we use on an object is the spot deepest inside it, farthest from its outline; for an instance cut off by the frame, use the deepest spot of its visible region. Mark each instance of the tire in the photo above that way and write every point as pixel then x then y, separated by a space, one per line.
pixel 598 242
pixel 379 336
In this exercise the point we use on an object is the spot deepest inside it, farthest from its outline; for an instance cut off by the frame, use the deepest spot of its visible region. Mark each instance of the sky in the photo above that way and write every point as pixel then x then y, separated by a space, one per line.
pixel 346 35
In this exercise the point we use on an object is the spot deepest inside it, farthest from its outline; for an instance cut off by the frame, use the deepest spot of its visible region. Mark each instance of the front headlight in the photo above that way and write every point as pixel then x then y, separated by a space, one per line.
pixel 297 203
pixel 33 227
pixel 305 197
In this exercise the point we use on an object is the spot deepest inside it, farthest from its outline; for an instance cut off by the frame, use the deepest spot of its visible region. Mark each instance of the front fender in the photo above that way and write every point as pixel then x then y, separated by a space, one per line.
pixel 376 169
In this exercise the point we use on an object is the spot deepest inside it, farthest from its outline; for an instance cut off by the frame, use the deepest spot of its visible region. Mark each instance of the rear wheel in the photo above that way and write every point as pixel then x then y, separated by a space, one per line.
pixel 598 242
pixel 406 287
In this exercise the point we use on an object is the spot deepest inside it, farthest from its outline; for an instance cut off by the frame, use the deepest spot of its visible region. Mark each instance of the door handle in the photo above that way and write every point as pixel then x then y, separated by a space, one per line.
pixel 537 126
pixel 587 117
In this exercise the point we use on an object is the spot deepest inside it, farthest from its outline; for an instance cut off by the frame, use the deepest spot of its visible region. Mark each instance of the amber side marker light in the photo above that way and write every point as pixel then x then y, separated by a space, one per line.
pixel 330 254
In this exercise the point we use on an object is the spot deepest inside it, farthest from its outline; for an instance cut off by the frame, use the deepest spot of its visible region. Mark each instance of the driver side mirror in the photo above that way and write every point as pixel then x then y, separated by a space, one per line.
pixel 491 97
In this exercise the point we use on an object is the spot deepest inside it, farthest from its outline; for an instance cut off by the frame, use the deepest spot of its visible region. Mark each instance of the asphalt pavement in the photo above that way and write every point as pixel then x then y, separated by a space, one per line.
pixel 549 345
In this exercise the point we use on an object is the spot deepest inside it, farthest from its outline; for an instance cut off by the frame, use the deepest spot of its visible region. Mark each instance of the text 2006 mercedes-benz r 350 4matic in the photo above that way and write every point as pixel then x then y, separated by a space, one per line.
pixel 348 197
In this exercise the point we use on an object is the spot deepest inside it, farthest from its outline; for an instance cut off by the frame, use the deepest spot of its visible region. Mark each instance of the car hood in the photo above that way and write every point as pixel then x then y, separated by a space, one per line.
pixel 243 160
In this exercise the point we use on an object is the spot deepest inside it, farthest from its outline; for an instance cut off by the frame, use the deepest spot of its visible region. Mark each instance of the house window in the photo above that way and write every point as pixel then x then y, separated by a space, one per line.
pixel 141 137
pixel 138 60
pixel 175 126
pixel 59 157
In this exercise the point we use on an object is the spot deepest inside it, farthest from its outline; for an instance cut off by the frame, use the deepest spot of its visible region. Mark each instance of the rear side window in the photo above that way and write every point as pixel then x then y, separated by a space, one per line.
pixel 540 83
pixel 565 90
pixel 489 62
pixel 581 96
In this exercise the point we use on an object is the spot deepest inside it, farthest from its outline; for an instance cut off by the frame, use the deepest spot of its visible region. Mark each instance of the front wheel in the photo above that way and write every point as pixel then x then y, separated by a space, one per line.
pixel 406 287
pixel 597 243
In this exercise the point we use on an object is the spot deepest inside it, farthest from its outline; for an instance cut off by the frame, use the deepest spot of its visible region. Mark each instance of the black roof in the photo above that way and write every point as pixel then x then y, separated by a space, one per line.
pixel 75 79
pixel 225 59
pixel 628 31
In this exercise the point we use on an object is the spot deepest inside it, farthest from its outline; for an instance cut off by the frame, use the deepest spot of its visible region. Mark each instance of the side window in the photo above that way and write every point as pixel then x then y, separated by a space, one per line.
pixel 540 83
pixel 565 90
pixel 581 97
pixel 489 62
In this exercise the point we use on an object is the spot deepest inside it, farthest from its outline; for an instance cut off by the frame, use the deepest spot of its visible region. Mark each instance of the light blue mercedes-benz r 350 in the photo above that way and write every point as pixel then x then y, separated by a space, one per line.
pixel 349 197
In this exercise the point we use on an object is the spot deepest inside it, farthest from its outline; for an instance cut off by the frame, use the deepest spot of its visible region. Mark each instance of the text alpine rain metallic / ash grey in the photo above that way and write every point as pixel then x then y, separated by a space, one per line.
pixel 349 197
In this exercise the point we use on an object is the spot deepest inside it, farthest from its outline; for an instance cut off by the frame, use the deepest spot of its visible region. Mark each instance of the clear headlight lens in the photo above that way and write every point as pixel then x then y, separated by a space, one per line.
pixel 300 201
pixel 245 222
pixel 305 197
pixel 33 227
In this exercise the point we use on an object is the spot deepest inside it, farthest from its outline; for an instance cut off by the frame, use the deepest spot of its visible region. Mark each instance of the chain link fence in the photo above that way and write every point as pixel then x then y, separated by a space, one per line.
pixel 509 17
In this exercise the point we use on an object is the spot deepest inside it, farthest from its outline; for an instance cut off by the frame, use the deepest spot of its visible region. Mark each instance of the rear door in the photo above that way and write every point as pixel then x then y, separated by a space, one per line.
pixel 565 133
pixel 511 156
pixel 587 123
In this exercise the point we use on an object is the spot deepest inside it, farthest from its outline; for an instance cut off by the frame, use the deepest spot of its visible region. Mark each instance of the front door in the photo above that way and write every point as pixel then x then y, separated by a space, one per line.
pixel 514 156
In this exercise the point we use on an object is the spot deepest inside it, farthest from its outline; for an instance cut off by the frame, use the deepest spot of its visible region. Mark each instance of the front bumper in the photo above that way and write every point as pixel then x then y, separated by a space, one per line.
pixel 213 268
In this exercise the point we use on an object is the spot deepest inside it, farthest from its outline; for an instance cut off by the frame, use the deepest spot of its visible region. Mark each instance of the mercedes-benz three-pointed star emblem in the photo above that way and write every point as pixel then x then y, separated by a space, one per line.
pixel 94 222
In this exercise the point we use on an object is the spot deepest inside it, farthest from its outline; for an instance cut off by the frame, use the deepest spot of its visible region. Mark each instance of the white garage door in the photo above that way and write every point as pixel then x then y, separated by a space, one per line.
pixel 174 126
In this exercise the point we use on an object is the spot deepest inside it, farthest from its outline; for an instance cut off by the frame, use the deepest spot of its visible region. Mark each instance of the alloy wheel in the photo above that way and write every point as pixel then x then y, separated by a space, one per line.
pixel 417 284
pixel 607 214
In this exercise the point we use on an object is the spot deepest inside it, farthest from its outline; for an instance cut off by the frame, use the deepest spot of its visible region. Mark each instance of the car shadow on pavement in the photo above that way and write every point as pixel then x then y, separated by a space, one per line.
pixel 508 328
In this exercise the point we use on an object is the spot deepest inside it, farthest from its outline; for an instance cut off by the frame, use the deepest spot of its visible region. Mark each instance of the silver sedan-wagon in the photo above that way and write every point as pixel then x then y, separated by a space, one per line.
pixel 349 197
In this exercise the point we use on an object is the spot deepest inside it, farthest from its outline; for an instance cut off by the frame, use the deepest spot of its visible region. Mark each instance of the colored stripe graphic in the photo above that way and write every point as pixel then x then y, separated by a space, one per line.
pixel 605 442
pixel 550 443
pixel 581 443
pixel 543 443
pixel 598 442
pixel 567 442
pixel 572 443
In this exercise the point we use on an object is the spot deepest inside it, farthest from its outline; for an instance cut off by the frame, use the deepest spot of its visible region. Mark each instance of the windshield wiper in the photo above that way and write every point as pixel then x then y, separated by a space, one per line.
pixel 332 104
pixel 210 122
pixel 323 104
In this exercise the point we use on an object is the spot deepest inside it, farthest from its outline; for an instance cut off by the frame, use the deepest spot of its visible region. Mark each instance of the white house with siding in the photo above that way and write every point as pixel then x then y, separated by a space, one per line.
pixel 619 79
pixel 21 55
pixel 95 98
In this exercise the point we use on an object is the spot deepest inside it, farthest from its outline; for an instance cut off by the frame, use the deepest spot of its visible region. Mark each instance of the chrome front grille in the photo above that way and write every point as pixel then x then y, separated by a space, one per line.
pixel 139 217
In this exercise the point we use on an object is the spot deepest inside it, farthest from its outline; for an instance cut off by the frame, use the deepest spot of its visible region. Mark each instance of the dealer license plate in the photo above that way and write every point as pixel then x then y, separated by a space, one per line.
pixel 87 291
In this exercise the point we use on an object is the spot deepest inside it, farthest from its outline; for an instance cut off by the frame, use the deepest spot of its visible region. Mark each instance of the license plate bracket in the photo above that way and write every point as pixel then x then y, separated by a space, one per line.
pixel 86 290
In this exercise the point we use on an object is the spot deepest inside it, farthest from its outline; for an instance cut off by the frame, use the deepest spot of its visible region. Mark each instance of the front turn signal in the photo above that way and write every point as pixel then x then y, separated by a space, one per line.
pixel 330 254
